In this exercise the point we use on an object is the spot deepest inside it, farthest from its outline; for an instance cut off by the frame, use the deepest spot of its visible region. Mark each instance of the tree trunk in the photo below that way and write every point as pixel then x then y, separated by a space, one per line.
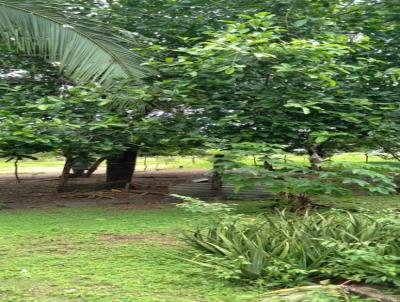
pixel 16 170
pixel 254 160
pixel 268 166
pixel 315 157
pixel 65 173
pixel 145 163
pixel 94 166
pixel 216 178
pixel 121 168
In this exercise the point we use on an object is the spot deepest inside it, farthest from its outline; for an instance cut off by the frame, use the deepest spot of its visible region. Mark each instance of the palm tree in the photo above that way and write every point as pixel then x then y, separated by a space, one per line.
pixel 85 50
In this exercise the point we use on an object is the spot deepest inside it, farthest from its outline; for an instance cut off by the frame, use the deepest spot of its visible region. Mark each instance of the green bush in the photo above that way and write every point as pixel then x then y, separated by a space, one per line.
pixel 288 249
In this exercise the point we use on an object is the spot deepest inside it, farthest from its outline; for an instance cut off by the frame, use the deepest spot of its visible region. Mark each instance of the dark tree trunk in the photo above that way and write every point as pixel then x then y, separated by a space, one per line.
pixel 65 174
pixel 268 166
pixel 121 168
pixel 94 166
pixel 216 178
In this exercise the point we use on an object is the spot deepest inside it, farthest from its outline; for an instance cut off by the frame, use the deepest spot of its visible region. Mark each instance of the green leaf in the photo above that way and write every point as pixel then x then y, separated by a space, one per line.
pixel 300 23
pixel 82 48
pixel 306 110
pixel 230 70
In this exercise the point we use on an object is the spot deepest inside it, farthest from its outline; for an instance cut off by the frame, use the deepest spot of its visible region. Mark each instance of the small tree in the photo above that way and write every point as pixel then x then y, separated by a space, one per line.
pixel 301 185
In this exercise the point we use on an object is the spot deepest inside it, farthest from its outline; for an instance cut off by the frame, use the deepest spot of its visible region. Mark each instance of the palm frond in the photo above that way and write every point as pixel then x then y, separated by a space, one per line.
pixel 84 50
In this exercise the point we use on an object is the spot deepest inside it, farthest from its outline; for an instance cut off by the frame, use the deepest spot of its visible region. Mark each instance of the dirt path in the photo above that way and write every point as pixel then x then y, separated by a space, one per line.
pixel 150 189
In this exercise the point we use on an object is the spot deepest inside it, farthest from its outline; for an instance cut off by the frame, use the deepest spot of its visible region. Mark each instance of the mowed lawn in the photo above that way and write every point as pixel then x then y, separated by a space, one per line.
pixel 55 164
pixel 103 255
pixel 110 254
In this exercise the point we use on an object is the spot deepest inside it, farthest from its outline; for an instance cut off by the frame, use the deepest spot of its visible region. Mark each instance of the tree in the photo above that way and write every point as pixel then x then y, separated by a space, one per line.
pixel 253 83
pixel 24 80
pixel 84 50
pixel 81 125
pixel 350 102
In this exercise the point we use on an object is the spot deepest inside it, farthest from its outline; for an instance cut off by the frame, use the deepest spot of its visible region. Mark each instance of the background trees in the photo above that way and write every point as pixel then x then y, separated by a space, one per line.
pixel 250 82
pixel 84 51
pixel 317 76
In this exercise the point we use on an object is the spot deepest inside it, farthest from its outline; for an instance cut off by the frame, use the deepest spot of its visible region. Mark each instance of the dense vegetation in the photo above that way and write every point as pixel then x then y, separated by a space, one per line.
pixel 287 250
pixel 251 84
pixel 107 254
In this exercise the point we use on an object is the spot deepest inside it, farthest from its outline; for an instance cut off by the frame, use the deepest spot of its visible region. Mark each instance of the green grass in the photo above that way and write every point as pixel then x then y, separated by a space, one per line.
pixel 53 163
pixel 104 254
pixel 60 255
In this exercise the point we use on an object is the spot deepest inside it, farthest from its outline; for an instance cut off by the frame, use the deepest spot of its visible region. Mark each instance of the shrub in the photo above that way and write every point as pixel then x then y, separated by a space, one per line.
pixel 301 185
pixel 287 249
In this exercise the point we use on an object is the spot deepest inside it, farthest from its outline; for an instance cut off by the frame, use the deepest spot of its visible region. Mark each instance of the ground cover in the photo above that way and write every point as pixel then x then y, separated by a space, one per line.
pixel 114 254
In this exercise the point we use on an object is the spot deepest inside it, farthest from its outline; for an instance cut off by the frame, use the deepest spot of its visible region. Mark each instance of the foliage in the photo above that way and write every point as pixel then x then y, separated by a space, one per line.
pixel 226 67
pixel 78 124
pixel 246 83
pixel 24 80
pixel 83 124
pixel 327 92
pixel 195 205
pixel 301 184
pixel 286 250
pixel 83 49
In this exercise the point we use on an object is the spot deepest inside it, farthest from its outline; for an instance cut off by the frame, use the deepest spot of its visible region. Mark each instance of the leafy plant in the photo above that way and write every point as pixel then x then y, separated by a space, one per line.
pixel 301 185
pixel 85 50
pixel 287 250
pixel 196 205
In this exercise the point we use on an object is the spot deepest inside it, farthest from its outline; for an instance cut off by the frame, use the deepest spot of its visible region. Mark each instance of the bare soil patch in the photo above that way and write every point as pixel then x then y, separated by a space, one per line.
pixel 149 190
pixel 152 238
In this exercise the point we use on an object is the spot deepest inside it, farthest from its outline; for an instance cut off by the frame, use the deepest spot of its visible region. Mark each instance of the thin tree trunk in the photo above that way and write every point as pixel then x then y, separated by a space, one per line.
pixel 254 160
pixel 65 174
pixel 145 163
pixel 94 166
pixel 16 170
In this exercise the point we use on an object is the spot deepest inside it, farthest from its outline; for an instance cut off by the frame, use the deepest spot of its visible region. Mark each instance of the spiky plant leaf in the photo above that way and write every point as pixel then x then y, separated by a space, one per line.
pixel 85 50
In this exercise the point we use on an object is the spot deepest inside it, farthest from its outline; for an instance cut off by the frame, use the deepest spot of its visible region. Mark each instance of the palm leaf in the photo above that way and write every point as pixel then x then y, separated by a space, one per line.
pixel 85 50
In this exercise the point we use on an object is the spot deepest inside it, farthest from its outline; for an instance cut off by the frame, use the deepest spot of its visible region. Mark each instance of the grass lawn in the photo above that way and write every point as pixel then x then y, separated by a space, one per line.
pixel 55 164
pixel 102 255
pixel 108 254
